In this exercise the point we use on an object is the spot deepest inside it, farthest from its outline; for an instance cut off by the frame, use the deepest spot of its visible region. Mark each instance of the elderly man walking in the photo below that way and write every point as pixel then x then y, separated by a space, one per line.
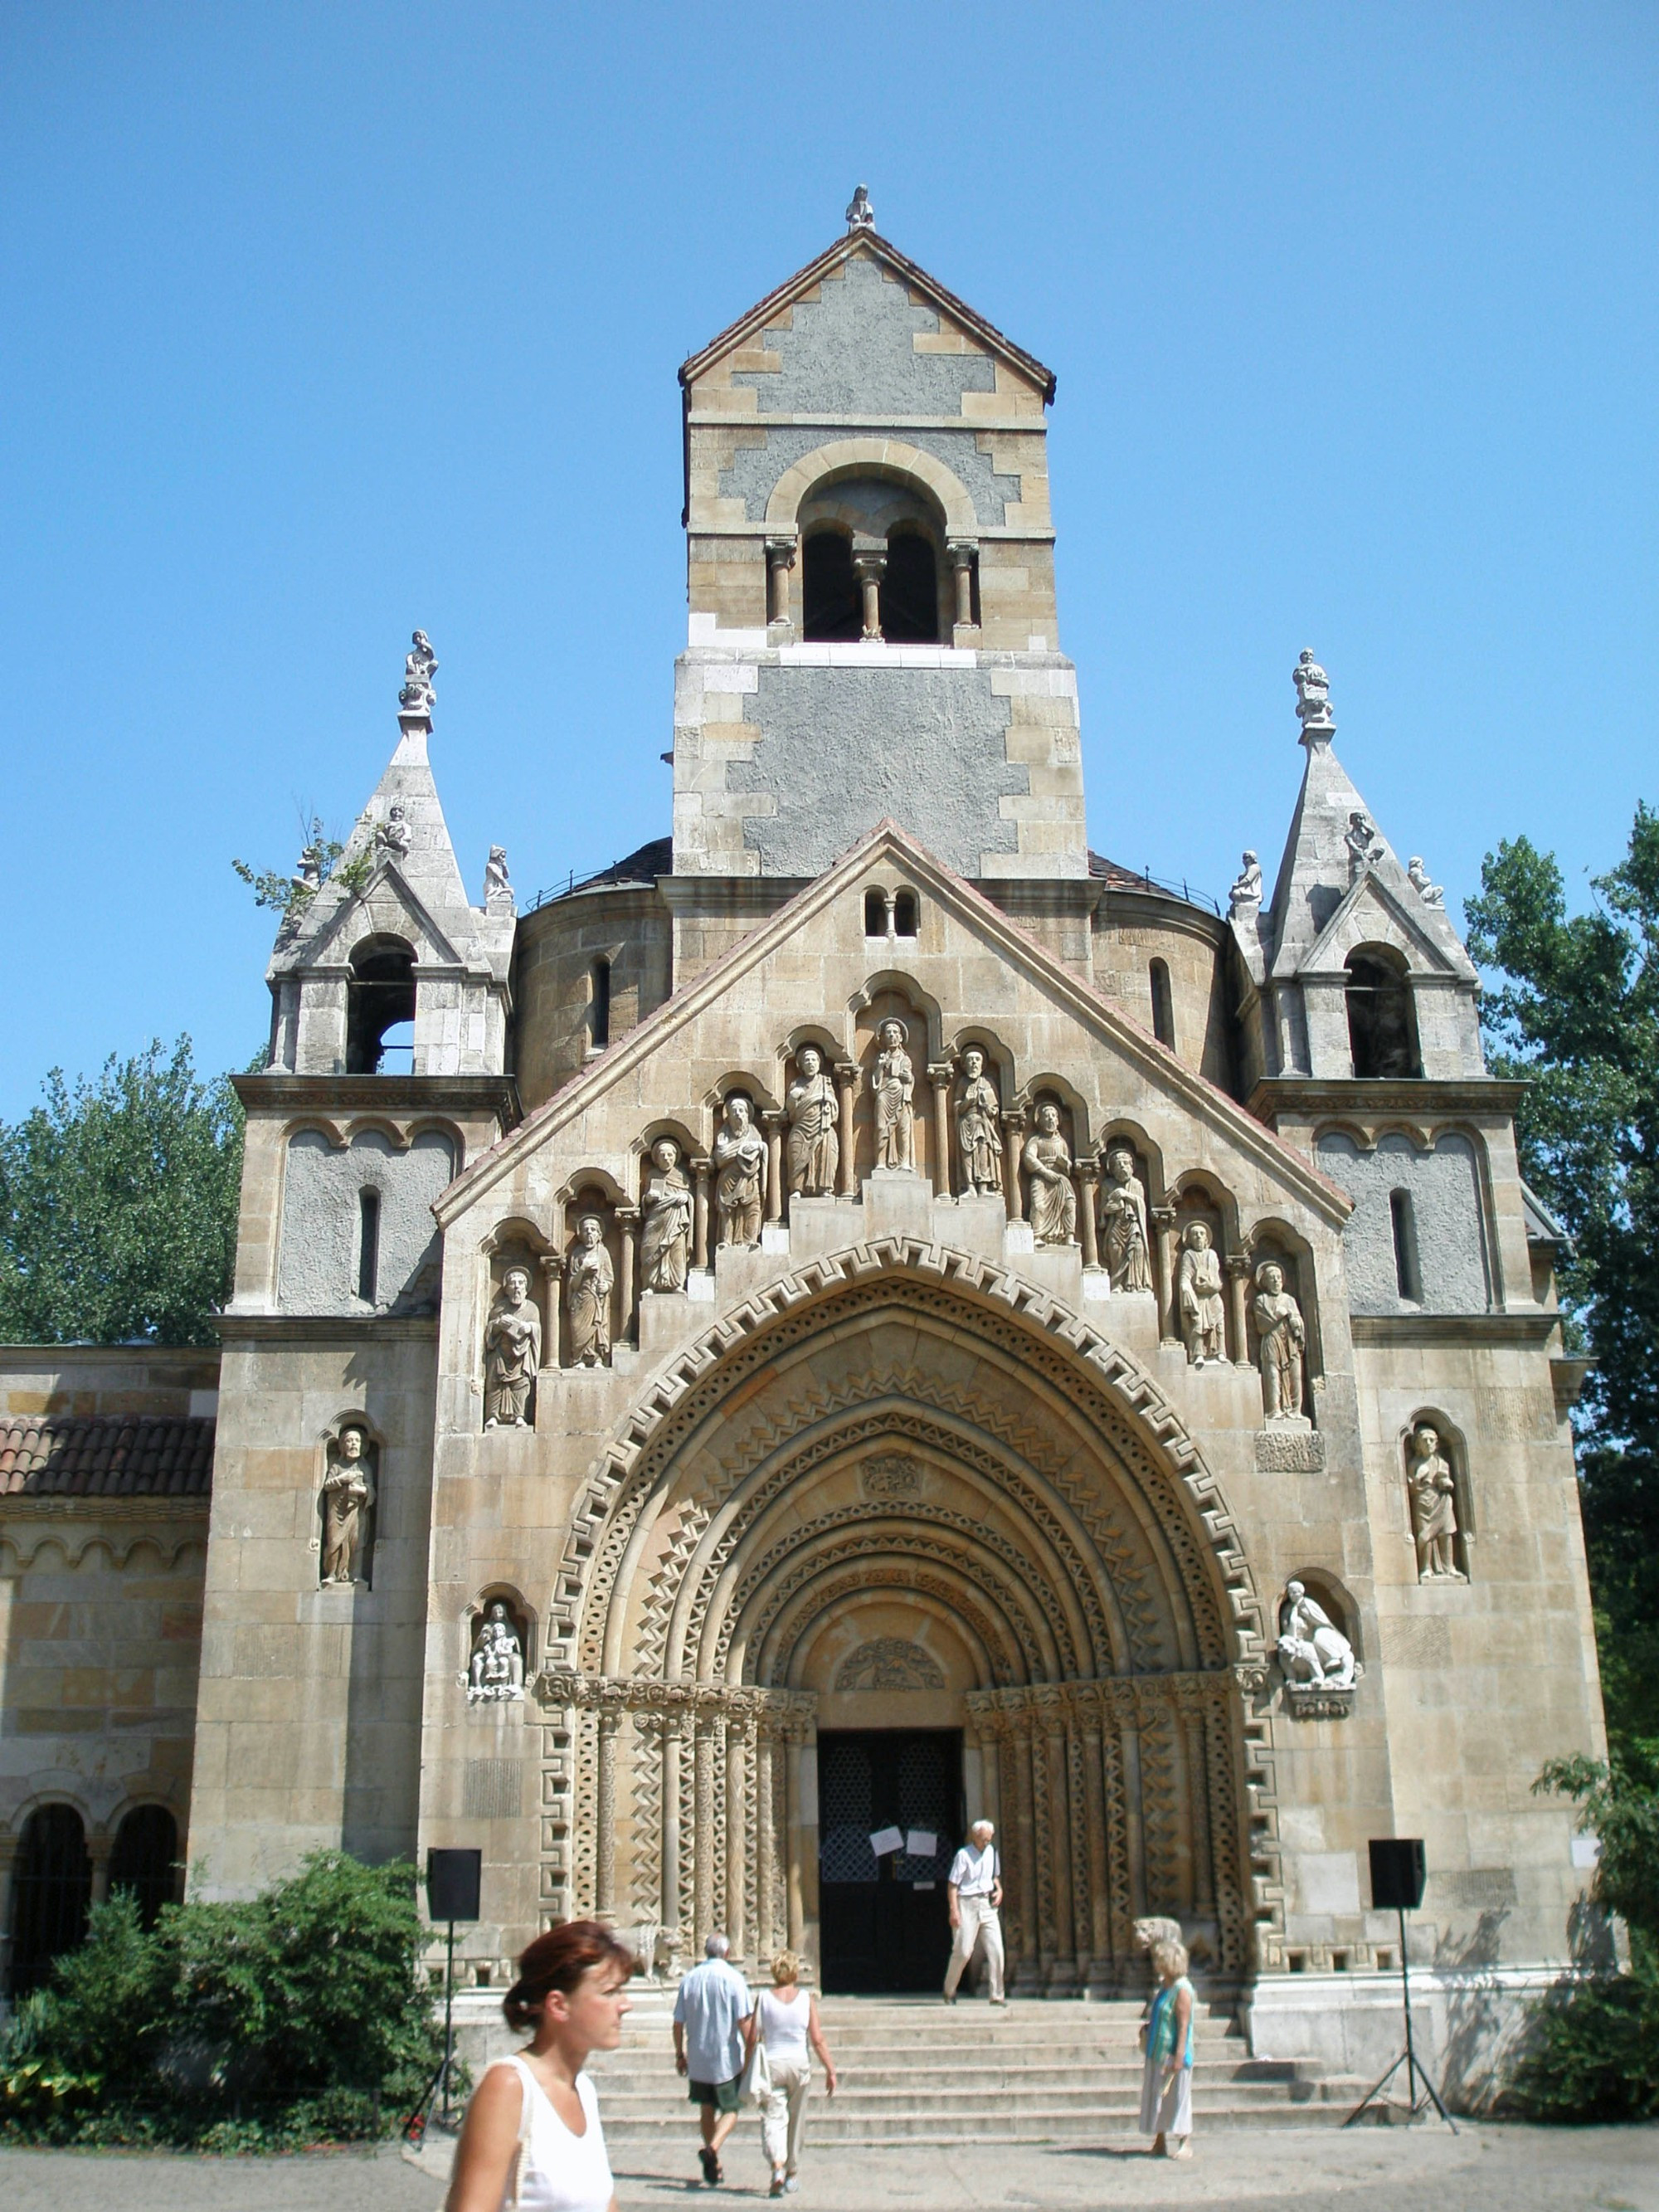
pixel 710 2013
pixel 976 1888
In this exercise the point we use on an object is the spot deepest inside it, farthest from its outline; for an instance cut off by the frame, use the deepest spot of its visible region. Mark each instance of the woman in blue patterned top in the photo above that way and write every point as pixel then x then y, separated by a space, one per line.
pixel 1166 2088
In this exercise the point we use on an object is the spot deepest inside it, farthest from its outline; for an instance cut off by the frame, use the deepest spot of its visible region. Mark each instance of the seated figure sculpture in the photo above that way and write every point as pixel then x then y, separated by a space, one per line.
pixel 496 1674
pixel 1313 1652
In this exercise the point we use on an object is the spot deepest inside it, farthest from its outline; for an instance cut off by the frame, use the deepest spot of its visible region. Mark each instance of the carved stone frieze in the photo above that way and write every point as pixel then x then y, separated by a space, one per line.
pixel 1287 1450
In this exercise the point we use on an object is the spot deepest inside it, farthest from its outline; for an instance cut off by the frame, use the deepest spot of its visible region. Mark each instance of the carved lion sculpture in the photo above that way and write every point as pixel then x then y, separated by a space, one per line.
pixel 1155 1928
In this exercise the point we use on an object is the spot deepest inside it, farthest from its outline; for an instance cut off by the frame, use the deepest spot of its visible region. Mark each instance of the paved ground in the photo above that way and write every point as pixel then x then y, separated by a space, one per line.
pixel 1423 2169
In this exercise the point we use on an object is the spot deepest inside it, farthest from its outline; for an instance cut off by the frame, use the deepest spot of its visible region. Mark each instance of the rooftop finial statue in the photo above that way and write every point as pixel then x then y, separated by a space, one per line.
pixel 420 666
pixel 860 215
pixel 1313 696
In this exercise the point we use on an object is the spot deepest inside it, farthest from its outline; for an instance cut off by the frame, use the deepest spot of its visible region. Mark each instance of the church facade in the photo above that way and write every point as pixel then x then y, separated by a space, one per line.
pixel 864 1314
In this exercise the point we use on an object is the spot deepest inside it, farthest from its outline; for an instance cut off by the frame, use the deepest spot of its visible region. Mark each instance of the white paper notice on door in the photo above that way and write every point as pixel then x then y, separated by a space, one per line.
pixel 882 1840
pixel 921 1843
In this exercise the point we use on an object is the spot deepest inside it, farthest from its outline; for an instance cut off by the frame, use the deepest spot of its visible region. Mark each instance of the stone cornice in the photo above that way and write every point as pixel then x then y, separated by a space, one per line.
pixel 326 1328
pixel 275 1092
pixel 1525 1328
pixel 95 1508
pixel 1366 1098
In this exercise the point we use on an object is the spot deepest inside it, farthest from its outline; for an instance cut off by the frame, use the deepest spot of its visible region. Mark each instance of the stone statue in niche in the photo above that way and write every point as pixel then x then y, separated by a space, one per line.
pixel 513 1352
pixel 1433 1491
pixel 1047 1160
pixel 1313 693
pixel 1198 1295
pixel 392 836
pixel 1313 1651
pixel 813 1151
pixel 348 1501
pixel 1247 890
pixel 494 1675
pixel 893 1078
pixel 977 1137
pixel 1284 1338
pixel 1430 893
pixel 1123 1223
pixel 420 666
pixel 739 1157
pixel 588 1277
pixel 665 1239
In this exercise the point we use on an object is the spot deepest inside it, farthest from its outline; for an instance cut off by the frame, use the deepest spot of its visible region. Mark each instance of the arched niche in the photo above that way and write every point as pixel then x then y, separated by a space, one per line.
pixel 1382 1018
pixel 1338 1603
pixel 1455 1451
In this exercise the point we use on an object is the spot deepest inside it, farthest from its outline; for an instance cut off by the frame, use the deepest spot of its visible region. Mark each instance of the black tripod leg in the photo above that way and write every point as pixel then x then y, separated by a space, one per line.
pixel 1434 2094
pixel 1377 2090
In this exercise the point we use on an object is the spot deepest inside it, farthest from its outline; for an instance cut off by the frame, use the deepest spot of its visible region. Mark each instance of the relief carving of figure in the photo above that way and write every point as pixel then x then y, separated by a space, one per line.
pixel 1047 1160
pixel 588 1276
pixel 1433 1494
pixel 1123 1223
pixel 740 1156
pixel 894 1081
pixel 1247 890
pixel 1198 1295
pixel 513 1352
pixel 347 1500
pixel 420 666
pixel 1311 1648
pixel 1284 1343
pixel 494 1675
pixel 977 1137
pixel 813 1151
pixel 665 1239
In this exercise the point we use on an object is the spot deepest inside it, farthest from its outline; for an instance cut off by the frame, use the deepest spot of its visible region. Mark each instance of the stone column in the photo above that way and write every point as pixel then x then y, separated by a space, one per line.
pixel 673 1728
pixel 1129 1742
pixel 739 1732
pixel 1198 1798
pixel 99 1848
pixel 1013 1134
pixel 960 551
pixel 10 1846
pixel 552 1266
pixel 846 1085
pixel 1164 1222
pixel 795 1828
pixel 870 568
pixel 627 1235
pixel 700 1169
pixel 1050 1747
pixel 1238 1278
pixel 604 1853
pixel 779 560
pixel 1017 1753
pixel 773 1119
pixel 1088 1187
pixel 703 1846
pixel 766 1840
pixel 1094 1785
pixel 941 1074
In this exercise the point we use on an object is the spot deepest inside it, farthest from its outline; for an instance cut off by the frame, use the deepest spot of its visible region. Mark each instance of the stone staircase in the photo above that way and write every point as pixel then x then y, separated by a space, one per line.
pixel 915 2070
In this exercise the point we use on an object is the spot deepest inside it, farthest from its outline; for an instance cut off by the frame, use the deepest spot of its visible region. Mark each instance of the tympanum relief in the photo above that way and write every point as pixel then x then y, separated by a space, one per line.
pixel 1431 1489
pixel 812 1153
pixel 589 1279
pixel 348 1505
pixel 740 1158
pixel 979 1144
pixel 667 1205
pixel 494 1675
pixel 1047 1160
pixel 893 1078
pixel 1198 1295
pixel 513 1353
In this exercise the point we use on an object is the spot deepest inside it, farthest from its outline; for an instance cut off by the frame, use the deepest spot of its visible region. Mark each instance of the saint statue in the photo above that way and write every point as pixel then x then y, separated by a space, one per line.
pixel 1123 1223
pixel 1284 1343
pixel 498 888
pixel 1360 838
pixel 813 1150
pixel 1198 1295
pixel 1432 1491
pixel 978 1141
pixel 495 1674
pixel 513 1353
pixel 588 1277
pixel 1312 1649
pixel 739 1157
pixel 1313 693
pixel 1247 890
pixel 894 1081
pixel 665 1239
pixel 347 1500
pixel 1432 894
pixel 420 666
pixel 1047 1160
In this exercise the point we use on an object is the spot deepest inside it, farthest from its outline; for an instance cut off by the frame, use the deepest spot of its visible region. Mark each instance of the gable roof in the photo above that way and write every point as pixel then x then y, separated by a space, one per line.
pixel 1089 1005
pixel 106 1455
pixel 866 241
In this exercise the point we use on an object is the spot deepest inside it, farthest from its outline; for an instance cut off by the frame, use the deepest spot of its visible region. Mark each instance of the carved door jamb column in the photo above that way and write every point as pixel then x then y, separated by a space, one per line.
pixel 605 1856
pixel 673 1732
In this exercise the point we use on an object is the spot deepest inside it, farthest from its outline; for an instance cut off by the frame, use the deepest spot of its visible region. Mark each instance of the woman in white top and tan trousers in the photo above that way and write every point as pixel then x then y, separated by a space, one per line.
pixel 531 2140
pixel 786 2019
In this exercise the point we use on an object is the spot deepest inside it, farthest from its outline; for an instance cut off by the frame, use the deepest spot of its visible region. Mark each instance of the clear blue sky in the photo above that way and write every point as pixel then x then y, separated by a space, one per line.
pixel 321 322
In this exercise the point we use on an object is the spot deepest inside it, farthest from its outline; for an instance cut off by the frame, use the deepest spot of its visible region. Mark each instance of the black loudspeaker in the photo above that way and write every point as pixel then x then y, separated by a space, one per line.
pixel 452 1884
pixel 1399 1869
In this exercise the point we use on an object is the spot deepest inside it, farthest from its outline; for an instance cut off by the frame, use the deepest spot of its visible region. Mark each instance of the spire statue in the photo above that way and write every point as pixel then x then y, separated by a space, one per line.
pixel 860 215
pixel 420 666
pixel 1313 698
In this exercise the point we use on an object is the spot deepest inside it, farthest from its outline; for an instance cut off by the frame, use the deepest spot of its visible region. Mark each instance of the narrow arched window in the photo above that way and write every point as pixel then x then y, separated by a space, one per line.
pixel 905 914
pixel 51 1890
pixel 368 1243
pixel 1408 1276
pixel 1381 1036
pixel 145 1860
pixel 832 606
pixel 1163 1004
pixel 910 591
pixel 599 1005
pixel 875 914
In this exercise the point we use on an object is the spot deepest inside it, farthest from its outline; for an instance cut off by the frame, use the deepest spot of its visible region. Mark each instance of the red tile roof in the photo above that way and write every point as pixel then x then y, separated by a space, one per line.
pixel 104 1456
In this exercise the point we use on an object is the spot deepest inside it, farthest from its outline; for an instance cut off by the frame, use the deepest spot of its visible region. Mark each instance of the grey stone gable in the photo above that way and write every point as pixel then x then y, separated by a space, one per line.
pixel 843 747
pixel 755 471
pixel 849 351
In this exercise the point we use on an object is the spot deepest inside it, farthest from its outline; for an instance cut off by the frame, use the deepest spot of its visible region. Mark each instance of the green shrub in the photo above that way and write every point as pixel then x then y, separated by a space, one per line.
pixel 1594 2054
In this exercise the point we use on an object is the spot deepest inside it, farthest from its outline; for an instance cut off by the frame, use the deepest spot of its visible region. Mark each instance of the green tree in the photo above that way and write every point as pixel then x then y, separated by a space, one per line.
pixel 118 1205
pixel 1576 1013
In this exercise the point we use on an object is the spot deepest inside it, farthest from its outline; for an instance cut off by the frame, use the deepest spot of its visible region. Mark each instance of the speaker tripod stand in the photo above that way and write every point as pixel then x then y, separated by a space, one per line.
pixel 1416 2078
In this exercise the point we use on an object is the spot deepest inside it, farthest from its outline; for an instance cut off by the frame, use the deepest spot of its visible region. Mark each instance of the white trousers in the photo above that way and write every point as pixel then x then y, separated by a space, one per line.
pixel 785 2115
pixel 980 1922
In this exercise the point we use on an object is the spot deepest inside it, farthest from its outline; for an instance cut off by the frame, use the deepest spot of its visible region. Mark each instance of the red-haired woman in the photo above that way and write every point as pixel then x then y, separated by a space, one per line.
pixel 532 2141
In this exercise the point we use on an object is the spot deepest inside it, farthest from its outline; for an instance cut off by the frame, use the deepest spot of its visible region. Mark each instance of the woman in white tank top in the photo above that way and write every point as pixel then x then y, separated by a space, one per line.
pixel 786 2019
pixel 531 2140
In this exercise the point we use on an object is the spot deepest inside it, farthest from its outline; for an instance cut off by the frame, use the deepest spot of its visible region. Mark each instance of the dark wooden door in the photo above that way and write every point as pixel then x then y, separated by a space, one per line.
pixel 886 1921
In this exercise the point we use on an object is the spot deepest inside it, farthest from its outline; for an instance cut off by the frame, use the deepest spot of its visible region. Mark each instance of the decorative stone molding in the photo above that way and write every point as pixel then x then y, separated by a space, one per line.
pixel 1287 1450
pixel 1313 1702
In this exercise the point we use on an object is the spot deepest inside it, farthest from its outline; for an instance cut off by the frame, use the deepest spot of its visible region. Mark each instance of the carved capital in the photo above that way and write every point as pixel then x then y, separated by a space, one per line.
pixel 1014 1118
pixel 960 551
pixel 1237 1265
pixel 780 550
pixel 869 567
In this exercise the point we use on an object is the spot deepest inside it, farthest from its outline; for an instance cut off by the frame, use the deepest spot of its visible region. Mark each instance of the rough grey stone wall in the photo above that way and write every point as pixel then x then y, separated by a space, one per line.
pixel 844 746
pixel 318 1269
pixel 849 351
pixel 756 469
pixel 1445 1193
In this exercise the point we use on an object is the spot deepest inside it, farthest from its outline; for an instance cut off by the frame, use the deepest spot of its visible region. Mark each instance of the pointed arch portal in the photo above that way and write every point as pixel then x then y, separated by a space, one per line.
pixel 902 1490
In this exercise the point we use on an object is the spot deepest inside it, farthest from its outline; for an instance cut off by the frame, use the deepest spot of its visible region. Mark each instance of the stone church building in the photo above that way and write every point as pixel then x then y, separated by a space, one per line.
pixel 863 1313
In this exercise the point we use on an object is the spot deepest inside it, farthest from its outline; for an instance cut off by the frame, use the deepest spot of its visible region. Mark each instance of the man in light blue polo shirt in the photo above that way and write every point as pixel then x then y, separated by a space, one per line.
pixel 709 2013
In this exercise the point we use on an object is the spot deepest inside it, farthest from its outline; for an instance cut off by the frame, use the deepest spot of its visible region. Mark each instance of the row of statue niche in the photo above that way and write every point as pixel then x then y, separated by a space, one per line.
pixel 348 1507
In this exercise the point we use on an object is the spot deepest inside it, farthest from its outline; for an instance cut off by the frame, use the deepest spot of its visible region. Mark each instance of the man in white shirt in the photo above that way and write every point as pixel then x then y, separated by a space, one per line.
pixel 709 2013
pixel 975 1889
